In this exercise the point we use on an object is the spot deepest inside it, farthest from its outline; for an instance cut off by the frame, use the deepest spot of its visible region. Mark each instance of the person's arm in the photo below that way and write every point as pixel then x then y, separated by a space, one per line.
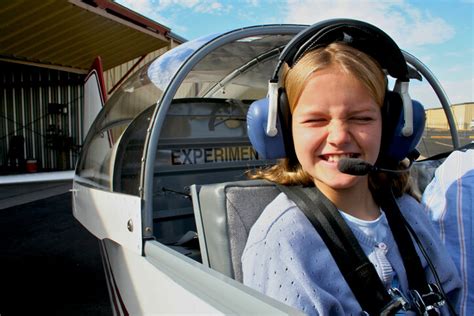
pixel 448 201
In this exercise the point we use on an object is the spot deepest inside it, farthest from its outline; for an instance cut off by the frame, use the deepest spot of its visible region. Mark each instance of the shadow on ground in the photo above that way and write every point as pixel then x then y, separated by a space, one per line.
pixel 49 263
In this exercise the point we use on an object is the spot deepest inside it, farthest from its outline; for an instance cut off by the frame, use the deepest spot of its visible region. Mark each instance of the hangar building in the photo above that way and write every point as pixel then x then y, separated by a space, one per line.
pixel 46 49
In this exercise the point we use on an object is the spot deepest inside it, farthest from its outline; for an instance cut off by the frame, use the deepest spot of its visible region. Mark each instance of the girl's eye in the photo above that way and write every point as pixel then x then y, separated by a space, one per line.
pixel 314 120
pixel 362 118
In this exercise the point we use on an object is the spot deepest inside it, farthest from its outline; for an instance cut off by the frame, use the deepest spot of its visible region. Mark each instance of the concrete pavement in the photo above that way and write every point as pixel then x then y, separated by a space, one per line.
pixel 49 263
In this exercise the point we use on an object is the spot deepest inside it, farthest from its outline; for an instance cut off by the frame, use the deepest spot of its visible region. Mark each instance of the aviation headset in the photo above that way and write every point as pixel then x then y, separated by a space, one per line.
pixel 402 120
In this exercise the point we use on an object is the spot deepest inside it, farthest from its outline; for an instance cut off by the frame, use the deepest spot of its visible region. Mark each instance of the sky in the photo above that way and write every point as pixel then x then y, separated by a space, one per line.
pixel 438 32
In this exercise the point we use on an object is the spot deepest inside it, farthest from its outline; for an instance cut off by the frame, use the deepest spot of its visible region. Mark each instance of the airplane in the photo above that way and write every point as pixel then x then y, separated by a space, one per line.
pixel 161 161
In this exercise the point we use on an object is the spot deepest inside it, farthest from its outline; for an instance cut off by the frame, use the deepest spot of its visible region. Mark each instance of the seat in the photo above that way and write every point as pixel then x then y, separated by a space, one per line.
pixel 224 214
pixel 422 172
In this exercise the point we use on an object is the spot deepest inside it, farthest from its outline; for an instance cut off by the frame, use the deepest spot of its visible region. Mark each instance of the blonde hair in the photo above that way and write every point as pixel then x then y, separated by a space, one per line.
pixel 349 60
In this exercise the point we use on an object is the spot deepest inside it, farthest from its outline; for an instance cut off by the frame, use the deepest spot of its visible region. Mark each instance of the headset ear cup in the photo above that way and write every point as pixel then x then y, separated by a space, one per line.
pixel 395 146
pixel 419 121
pixel 266 146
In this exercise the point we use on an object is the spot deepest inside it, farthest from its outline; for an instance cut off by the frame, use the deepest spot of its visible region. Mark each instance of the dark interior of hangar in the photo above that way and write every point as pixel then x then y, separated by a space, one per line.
pixel 39 118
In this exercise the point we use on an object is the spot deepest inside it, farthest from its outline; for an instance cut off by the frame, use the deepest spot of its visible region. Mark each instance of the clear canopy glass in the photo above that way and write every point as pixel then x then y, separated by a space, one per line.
pixel 237 72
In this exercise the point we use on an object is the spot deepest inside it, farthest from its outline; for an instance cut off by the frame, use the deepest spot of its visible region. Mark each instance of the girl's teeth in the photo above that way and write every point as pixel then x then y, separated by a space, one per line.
pixel 337 158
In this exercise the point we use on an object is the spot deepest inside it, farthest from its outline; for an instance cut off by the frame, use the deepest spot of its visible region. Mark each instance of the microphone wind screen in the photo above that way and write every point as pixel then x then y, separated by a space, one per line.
pixel 353 166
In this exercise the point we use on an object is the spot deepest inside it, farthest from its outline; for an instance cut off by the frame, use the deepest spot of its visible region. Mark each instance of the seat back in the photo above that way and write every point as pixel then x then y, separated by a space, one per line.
pixel 422 172
pixel 224 213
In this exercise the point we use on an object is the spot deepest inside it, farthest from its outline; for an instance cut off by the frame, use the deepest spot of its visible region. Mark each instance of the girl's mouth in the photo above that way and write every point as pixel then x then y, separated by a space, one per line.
pixel 337 157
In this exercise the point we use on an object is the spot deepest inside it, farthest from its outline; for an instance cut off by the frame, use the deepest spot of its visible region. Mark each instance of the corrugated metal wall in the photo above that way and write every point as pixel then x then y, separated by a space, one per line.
pixel 25 93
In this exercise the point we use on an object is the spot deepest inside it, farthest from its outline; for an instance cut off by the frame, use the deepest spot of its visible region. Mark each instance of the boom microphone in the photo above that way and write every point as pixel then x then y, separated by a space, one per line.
pixel 359 167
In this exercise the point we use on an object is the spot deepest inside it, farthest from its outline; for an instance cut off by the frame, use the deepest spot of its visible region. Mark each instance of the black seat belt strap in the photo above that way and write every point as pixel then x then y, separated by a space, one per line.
pixel 336 221
pixel 402 232
pixel 411 261
pixel 354 265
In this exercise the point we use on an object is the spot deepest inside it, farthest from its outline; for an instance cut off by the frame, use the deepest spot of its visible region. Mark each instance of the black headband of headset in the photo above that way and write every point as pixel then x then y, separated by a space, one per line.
pixel 360 35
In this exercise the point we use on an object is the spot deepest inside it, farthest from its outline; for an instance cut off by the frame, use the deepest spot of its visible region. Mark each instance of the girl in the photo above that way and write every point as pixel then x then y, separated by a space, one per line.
pixel 335 95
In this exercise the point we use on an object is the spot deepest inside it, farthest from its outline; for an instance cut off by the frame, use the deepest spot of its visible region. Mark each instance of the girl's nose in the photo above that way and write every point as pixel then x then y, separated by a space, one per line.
pixel 338 133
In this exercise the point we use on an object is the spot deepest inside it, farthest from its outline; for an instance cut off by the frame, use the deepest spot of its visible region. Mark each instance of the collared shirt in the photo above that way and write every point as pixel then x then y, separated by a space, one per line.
pixel 449 202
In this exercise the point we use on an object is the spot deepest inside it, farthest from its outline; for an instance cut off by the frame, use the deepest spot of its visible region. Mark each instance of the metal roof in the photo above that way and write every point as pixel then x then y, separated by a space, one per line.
pixel 69 34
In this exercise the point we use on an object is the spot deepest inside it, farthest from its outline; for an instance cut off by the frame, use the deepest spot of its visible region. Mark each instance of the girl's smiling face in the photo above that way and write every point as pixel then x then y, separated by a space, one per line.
pixel 335 117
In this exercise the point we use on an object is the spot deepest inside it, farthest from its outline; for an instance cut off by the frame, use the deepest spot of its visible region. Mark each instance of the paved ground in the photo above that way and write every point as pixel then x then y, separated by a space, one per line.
pixel 49 263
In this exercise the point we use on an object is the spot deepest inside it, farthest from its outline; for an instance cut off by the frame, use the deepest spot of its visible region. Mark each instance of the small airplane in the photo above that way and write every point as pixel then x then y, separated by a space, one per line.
pixel 160 163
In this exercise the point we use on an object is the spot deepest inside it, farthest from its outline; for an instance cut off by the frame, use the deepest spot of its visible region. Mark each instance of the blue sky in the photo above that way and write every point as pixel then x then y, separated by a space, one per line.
pixel 439 32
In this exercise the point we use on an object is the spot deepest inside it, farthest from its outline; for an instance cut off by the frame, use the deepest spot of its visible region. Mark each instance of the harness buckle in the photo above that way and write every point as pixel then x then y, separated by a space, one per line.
pixel 424 303
pixel 398 302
